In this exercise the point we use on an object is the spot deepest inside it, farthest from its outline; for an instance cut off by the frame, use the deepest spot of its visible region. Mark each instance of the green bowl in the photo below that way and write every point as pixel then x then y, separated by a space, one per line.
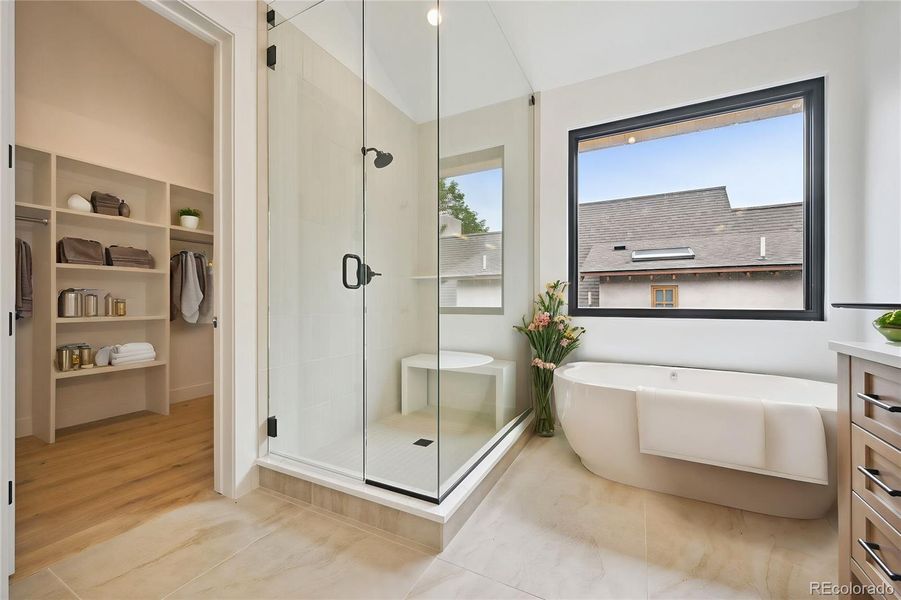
pixel 892 334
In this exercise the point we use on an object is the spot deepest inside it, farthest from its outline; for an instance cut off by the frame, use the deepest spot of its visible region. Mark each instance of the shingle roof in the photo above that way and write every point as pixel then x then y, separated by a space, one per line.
pixel 462 256
pixel 703 220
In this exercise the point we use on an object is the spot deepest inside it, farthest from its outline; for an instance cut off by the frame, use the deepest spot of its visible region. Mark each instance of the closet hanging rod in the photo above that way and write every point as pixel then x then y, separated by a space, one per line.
pixel 32 220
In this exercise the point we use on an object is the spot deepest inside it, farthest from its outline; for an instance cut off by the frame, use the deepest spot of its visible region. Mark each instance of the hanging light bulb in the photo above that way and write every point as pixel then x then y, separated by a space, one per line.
pixel 434 17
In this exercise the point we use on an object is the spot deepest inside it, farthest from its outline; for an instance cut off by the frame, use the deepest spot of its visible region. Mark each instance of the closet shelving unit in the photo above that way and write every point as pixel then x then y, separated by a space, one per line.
pixel 44 182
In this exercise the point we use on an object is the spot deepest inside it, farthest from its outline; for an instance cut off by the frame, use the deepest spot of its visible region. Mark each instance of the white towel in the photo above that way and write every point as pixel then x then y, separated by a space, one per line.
pixel 101 358
pixel 191 296
pixel 796 442
pixel 127 360
pixel 720 430
pixel 133 347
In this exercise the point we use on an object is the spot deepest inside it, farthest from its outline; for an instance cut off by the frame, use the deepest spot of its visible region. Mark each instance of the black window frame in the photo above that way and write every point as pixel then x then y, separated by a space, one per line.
pixel 812 91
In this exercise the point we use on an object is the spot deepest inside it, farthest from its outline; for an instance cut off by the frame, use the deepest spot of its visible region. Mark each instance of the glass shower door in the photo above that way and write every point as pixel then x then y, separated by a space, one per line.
pixel 316 236
pixel 401 68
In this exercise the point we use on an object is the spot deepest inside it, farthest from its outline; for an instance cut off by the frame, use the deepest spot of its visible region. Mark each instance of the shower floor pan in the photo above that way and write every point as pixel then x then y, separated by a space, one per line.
pixel 426 523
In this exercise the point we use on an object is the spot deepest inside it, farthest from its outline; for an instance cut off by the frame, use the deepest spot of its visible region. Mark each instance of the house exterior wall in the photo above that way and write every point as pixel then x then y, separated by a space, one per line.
pixel 479 292
pixel 734 290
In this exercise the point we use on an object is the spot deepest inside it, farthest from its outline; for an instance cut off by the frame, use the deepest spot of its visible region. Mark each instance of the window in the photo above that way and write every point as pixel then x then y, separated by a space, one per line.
pixel 470 232
pixel 664 296
pixel 722 200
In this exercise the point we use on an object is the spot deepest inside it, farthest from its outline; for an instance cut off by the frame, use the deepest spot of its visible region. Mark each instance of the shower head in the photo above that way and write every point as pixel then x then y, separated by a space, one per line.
pixel 382 159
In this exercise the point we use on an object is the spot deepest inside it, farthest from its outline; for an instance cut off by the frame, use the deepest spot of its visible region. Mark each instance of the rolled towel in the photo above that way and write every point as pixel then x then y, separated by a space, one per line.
pixel 134 347
pixel 101 359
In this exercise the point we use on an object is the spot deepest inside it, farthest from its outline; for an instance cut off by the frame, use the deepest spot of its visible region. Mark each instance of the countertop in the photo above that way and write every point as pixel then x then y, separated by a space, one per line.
pixel 879 352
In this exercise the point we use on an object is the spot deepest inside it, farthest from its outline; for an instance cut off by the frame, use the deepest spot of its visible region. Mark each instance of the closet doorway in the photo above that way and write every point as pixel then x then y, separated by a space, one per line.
pixel 115 338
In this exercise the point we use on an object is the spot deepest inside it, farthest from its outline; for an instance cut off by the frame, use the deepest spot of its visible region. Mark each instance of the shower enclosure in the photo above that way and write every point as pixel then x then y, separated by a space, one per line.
pixel 400 220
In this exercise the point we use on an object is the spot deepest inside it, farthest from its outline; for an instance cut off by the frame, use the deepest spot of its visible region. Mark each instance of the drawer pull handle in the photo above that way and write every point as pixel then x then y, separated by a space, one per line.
pixel 873 475
pixel 877 402
pixel 870 548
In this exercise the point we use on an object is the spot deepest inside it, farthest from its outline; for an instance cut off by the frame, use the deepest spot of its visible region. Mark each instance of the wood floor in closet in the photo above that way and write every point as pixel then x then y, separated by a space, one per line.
pixel 103 478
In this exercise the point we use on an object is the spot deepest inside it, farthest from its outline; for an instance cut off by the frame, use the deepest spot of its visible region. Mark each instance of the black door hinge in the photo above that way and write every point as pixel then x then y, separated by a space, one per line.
pixel 532 100
pixel 270 57
pixel 10 324
pixel 272 427
pixel 10 156
pixel 270 17
pixel 10 496
pixel 215 322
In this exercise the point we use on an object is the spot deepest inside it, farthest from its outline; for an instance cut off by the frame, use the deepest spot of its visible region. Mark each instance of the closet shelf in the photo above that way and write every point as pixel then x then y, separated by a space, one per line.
pixel 67 214
pixel 102 370
pixel 183 234
pixel 126 319
pixel 109 269
pixel 38 211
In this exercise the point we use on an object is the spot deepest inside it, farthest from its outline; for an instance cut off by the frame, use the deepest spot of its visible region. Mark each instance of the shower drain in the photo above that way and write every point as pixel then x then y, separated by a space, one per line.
pixel 422 442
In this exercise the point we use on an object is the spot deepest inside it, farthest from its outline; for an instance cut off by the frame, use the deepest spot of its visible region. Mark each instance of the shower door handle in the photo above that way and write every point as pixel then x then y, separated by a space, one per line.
pixel 357 270
pixel 366 274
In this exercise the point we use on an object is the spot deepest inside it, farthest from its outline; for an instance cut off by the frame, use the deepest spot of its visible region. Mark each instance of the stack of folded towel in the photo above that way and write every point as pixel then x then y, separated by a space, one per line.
pixel 126 354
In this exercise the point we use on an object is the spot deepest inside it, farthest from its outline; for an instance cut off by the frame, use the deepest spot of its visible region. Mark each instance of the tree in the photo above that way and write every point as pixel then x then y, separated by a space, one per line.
pixel 452 201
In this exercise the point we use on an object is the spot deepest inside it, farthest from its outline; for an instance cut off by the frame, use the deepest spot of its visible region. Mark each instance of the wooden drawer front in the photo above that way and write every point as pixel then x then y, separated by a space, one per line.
pixel 864 581
pixel 868 526
pixel 881 415
pixel 883 462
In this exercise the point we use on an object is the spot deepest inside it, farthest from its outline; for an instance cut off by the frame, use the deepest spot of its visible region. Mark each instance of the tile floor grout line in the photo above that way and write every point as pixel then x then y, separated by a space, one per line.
pixel 418 579
pixel 65 585
pixel 488 577
pixel 230 556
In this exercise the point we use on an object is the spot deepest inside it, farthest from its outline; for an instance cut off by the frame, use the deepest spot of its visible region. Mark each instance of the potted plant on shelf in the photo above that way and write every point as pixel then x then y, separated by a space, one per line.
pixel 552 338
pixel 189 217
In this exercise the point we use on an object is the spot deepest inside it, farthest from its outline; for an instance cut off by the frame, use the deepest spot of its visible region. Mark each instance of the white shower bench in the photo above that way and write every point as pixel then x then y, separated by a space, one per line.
pixel 415 379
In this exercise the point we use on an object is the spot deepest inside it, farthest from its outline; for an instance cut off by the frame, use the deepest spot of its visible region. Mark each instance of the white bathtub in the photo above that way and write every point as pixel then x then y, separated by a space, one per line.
pixel 596 406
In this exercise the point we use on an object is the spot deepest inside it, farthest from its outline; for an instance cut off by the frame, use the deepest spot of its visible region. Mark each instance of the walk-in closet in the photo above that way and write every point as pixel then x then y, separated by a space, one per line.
pixel 115 277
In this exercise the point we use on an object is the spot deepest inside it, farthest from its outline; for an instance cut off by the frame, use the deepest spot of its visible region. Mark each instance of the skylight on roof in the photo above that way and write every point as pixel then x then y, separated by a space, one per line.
pixel 663 254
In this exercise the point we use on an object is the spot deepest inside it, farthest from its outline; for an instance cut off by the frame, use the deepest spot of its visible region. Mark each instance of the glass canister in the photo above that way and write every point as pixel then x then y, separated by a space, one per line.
pixel 110 305
pixel 85 356
pixel 120 307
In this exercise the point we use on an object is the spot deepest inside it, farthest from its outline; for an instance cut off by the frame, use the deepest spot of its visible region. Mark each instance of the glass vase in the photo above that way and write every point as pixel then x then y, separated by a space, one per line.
pixel 542 388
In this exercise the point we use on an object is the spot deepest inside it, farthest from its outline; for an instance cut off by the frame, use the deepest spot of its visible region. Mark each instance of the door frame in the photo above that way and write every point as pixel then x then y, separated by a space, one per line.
pixel 225 27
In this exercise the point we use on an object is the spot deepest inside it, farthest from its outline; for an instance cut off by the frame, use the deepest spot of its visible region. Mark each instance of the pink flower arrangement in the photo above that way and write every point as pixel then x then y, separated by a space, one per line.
pixel 550 345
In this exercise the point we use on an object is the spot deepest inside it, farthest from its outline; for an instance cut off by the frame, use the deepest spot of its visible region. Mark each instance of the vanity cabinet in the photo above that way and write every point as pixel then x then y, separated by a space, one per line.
pixel 869 464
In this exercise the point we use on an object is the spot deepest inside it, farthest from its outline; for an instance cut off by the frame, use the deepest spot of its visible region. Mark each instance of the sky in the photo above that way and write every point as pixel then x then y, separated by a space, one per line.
pixel 760 163
pixel 484 193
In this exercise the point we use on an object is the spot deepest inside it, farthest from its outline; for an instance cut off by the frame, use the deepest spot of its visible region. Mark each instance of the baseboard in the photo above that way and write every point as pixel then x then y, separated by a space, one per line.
pixel 190 392
pixel 23 427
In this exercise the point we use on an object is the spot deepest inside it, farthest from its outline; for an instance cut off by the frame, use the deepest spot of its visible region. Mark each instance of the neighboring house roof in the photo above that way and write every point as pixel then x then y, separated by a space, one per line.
pixel 462 257
pixel 703 220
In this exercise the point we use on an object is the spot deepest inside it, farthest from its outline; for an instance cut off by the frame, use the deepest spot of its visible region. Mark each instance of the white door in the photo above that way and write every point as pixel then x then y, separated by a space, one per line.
pixel 7 295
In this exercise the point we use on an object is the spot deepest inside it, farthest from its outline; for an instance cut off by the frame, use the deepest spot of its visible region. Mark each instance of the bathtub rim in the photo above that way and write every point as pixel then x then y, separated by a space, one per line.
pixel 562 373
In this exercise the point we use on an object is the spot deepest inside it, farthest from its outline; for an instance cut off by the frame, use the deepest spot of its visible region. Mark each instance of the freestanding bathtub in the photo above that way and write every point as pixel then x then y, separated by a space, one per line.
pixel 597 407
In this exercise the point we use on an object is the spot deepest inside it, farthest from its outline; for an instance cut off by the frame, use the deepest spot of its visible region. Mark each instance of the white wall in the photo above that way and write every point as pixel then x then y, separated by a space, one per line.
pixel 827 47
pixel 881 153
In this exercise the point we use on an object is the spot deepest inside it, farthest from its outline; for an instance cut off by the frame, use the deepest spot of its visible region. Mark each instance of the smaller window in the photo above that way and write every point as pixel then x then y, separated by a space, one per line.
pixel 665 296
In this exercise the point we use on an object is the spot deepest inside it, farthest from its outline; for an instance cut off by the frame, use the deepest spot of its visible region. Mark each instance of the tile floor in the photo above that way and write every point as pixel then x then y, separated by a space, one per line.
pixel 549 529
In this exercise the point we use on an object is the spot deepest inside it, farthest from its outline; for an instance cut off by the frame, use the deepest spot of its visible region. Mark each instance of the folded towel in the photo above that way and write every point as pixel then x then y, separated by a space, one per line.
pixel 24 288
pixel 134 347
pixel 796 442
pixel 714 429
pixel 127 360
pixel 114 355
pixel 191 296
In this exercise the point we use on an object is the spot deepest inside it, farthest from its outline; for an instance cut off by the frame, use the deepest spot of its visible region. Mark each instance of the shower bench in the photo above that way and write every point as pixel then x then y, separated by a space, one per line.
pixel 415 370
